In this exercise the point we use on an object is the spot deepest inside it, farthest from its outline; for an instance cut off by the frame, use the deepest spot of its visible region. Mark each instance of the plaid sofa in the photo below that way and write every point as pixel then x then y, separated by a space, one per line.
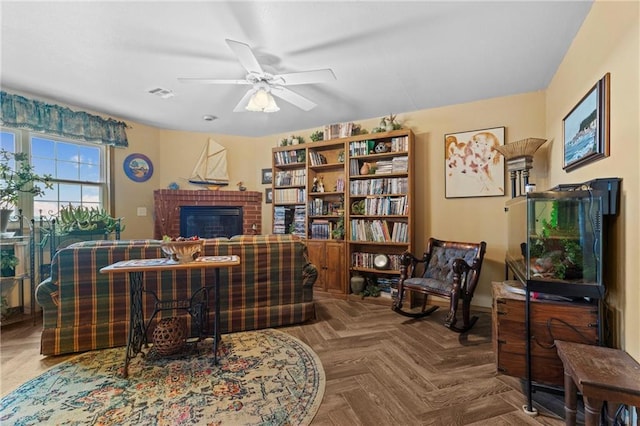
pixel 86 310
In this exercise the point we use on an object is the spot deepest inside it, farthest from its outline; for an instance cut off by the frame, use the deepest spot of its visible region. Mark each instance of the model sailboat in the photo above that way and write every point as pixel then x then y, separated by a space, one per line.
pixel 211 168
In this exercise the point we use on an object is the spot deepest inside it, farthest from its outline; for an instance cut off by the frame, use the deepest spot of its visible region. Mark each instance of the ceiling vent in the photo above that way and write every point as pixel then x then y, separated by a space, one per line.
pixel 163 93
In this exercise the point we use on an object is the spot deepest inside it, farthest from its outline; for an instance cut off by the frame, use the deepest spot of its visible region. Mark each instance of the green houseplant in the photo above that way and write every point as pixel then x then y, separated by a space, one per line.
pixel 8 263
pixel 89 219
pixel 16 177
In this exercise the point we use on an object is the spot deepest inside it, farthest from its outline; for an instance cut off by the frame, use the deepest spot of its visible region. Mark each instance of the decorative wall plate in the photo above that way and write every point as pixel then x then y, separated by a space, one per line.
pixel 138 167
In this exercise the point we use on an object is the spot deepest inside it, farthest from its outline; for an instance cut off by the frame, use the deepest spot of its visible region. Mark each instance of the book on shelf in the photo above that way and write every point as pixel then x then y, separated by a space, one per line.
pixel 321 229
pixel 316 159
pixel 400 144
pixel 338 130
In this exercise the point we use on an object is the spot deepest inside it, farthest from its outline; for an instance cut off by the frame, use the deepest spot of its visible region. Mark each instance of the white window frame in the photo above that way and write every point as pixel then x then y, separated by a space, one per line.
pixel 23 144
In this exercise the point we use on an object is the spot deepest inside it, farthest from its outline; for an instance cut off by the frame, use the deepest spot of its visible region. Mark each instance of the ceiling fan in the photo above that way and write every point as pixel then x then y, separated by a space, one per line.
pixel 264 84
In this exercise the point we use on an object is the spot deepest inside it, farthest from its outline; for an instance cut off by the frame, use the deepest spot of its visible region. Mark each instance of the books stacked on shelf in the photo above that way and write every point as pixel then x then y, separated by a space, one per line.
pixel 384 167
pixel 299 221
pixel 321 229
pixel 290 195
pixel 400 144
pixel 388 286
pixel 366 260
pixel 379 186
pixel 287 157
pixel 340 184
pixel 339 130
pixel 316 159
pixel 380 206
pixel 378 231
pixel 399 164
pixel 291 177
pixel 282 218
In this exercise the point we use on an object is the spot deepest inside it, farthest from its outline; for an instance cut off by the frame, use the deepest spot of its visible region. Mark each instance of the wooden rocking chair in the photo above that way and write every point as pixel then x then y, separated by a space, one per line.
pixel 450 270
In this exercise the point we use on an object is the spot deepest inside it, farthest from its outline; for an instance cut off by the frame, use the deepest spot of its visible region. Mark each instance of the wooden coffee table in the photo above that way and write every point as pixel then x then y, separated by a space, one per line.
pixel 136 269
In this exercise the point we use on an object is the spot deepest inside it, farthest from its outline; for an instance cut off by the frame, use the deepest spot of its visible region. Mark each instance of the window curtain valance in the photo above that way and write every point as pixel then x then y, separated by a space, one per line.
pixel 20 112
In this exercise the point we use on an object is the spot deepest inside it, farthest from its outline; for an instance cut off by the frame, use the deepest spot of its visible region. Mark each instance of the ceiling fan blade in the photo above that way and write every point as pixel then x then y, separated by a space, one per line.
pixel 293 98
pixel 305 77
pixel 241 107
pixel 212 81
pixel 246 57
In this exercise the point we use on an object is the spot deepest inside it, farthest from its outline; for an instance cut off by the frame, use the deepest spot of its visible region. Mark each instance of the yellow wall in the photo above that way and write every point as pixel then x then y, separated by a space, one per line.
pixel 608 42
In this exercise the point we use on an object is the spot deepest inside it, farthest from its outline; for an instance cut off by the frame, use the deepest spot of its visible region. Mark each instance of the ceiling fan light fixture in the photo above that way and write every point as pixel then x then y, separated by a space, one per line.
pixel 262 101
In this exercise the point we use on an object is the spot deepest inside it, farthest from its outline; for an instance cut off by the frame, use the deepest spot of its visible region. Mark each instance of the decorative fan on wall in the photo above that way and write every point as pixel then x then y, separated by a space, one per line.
pixel 264 84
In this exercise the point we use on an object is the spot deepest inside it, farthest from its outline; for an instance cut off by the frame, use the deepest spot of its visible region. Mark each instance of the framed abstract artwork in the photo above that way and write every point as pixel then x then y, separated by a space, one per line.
pixel 586 127
pixel 473 168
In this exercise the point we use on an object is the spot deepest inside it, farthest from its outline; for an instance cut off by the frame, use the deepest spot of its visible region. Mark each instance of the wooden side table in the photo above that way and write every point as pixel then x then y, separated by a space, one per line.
pixel 600 374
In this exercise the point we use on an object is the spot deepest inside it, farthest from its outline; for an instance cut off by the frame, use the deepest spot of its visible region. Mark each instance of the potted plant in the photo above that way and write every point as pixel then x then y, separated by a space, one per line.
pixel 8 263
pixel 80 219
pixel 16 177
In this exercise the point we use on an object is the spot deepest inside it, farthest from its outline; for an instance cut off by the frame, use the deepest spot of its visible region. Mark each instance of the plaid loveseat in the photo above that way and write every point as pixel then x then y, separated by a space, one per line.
pixel 86 310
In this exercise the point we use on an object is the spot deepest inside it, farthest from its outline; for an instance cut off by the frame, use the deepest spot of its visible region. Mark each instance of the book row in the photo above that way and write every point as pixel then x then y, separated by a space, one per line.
pixel 379 186
pixel 289 157
pixel 366 260
pixel 291 177
pixel 380 206
pixel 290 195
pixel 366 147
pixel 380 231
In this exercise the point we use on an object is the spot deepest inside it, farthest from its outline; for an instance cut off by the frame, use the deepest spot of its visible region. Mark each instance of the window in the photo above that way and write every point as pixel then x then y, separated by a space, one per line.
pixel 8 142
pixel 79 171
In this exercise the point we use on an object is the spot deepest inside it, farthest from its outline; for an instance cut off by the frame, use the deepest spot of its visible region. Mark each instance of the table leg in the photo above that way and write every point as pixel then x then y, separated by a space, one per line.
pixel 592 408
pixel 136 336
pixel 570 400
pixel 216 319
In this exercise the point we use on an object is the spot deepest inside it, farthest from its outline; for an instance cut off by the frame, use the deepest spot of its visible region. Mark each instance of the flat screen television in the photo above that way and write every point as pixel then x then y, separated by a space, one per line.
pixel 555 241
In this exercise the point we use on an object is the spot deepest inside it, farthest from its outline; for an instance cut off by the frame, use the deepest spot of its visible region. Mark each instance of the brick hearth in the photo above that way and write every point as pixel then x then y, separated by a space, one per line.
pixel 167 203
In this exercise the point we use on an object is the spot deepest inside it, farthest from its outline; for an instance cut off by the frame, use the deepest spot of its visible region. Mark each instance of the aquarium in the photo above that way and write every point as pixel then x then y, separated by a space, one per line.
pixel 555 242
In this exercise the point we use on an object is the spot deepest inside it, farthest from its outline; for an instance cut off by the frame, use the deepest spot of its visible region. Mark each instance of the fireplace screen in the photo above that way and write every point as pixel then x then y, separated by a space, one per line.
pixel 210 222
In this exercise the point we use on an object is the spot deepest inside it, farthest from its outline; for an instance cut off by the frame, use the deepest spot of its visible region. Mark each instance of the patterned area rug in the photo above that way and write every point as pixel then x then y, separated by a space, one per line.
pixel 264 377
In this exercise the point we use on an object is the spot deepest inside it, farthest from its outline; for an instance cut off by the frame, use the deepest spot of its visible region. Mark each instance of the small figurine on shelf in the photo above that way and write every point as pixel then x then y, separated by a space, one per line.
pixel 314 187
pixel 241 186
pixel 320 185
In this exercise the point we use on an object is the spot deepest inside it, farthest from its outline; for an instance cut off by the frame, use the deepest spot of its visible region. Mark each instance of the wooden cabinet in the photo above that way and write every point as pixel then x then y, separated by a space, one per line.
pixel 354 197
pixel 549 320
pixel 328 256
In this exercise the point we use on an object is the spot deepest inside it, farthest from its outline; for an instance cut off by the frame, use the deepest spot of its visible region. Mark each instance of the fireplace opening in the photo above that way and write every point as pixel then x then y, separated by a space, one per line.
pixel 210 221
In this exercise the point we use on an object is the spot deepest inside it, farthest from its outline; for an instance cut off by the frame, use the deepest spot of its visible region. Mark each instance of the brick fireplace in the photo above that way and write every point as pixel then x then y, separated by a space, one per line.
pixel 167 204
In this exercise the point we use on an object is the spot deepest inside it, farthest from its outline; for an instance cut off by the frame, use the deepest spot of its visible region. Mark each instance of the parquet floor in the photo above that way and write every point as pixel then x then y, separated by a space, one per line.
pixel 381 369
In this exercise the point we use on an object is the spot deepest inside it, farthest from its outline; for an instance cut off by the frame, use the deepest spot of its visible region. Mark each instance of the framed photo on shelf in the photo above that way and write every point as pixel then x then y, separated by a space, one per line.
pixel 586 127
pixel 472 167
pixel 268 195
pixel 267 176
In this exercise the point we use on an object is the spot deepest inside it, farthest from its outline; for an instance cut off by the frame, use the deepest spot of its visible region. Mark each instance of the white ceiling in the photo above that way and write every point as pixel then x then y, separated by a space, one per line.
pixel 388 57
